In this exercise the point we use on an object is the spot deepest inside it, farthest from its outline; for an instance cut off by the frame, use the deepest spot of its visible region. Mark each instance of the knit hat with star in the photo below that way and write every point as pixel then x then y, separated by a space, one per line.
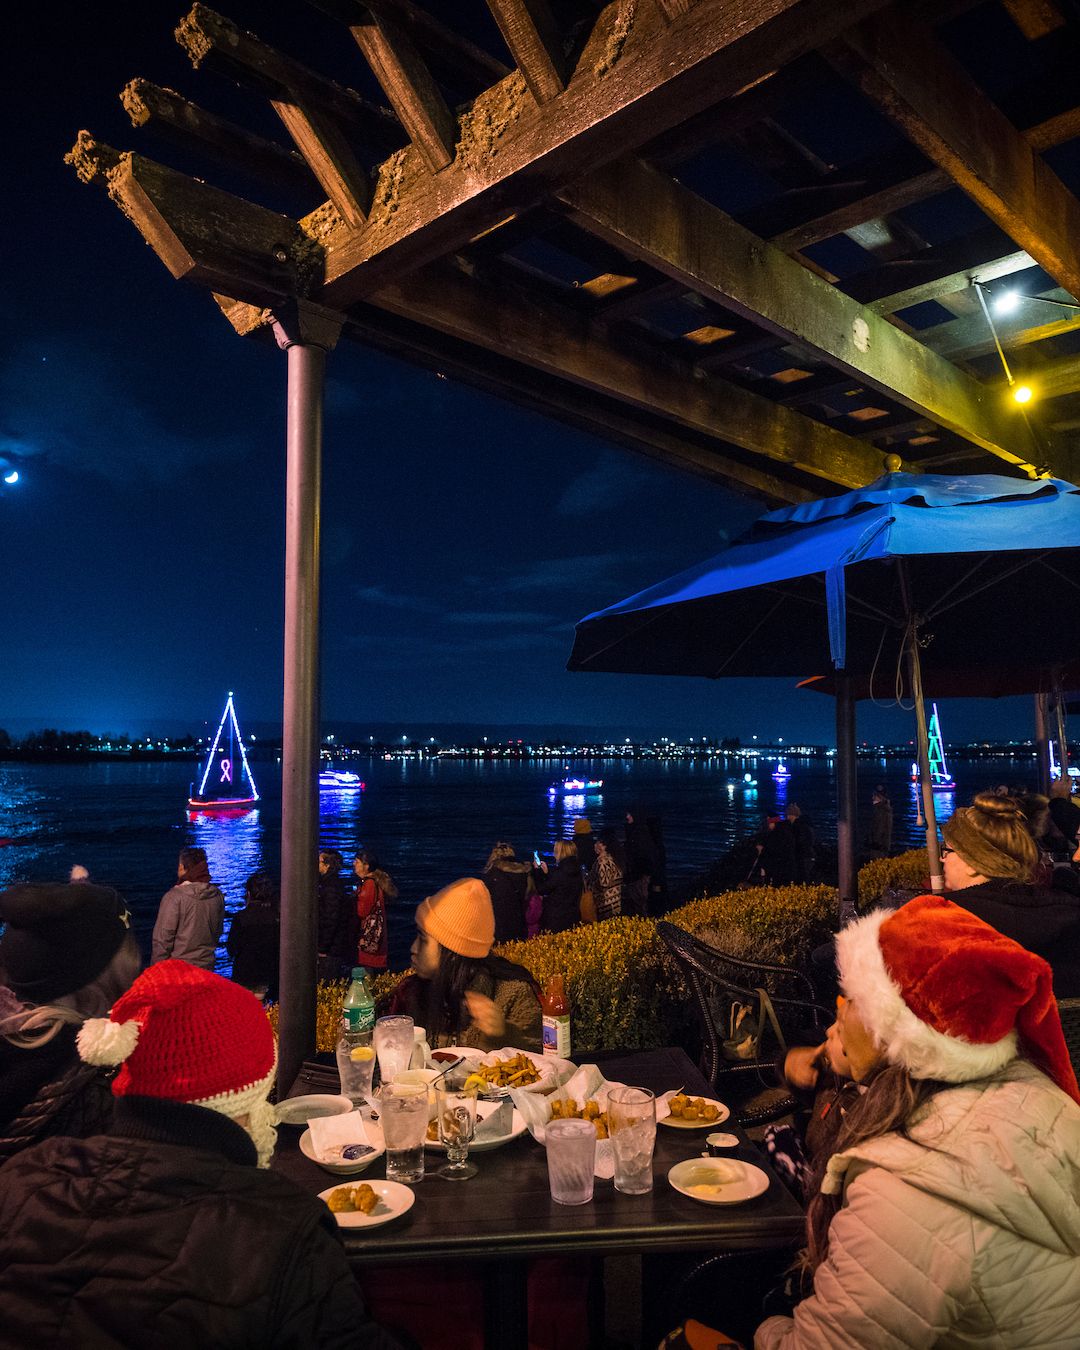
pixel 184 1034
pixel 948 997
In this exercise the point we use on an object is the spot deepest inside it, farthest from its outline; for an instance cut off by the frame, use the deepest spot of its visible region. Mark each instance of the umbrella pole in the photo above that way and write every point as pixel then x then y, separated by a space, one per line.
pixel 846 793
pixel 933 848
pixel 1059 727
pixel 1042 742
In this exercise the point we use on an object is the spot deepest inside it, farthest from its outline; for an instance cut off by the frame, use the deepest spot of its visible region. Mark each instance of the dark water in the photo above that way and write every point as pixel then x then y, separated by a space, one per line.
pixel 429 821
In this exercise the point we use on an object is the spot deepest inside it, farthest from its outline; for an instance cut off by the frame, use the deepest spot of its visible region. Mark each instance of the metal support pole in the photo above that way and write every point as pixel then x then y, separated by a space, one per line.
pixel 846 794
pixel 1042 742
pixel 1060 735
pixel 306 336
pixel 933 848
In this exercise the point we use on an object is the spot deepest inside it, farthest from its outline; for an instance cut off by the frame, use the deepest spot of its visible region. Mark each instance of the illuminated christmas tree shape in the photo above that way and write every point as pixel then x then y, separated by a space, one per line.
pixel 939 770
pixel 226 779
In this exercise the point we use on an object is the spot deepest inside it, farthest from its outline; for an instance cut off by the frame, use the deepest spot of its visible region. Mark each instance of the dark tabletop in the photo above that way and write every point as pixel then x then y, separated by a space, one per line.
pixel 507 1211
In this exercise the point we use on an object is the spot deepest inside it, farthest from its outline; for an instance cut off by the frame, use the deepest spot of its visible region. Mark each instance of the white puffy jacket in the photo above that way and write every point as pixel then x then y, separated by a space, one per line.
pixel 966 1234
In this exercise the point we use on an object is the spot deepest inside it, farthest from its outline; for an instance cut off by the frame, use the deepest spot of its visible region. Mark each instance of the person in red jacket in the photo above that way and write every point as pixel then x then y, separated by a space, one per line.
pixel 373 889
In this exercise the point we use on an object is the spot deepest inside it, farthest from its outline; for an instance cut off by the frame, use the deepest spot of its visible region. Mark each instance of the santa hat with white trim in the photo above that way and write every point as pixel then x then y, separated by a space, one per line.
pixel 948 997
pixel 183 1034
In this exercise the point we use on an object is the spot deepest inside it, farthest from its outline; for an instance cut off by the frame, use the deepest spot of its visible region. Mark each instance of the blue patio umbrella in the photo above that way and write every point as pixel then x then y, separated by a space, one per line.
pixel 973 581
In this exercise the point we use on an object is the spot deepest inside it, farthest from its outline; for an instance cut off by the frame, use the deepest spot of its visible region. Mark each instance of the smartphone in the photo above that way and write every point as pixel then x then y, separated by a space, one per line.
pixel 536 858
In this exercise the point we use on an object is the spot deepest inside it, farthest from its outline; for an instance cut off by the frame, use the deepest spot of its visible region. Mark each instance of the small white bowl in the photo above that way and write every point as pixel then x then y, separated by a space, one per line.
pixel 721 1143
pixel 299 1110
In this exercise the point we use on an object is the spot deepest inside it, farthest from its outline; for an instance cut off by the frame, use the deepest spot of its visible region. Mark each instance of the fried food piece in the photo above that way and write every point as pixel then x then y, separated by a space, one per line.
pixel 678 1104
pixel 352 1199
pixel 566 1110
pixel 433 1131
pixel 710 1111
pixel 519 1071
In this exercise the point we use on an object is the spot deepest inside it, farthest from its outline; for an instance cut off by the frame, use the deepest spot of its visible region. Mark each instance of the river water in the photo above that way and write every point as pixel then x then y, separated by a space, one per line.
pixel 428 821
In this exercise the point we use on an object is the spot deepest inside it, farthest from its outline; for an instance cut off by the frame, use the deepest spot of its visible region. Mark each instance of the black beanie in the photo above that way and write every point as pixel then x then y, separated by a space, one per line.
pixel 58 938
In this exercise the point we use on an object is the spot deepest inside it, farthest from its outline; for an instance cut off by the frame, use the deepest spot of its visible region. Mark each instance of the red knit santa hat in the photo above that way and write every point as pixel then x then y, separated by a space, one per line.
pixel 948 997
pixel 184 1034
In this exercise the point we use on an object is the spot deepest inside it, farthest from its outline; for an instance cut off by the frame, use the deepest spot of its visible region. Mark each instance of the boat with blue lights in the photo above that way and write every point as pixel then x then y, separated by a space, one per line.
pixel 941 780
pixel 340 780
pixel 781 773
pixel 226 785
pixel 576 785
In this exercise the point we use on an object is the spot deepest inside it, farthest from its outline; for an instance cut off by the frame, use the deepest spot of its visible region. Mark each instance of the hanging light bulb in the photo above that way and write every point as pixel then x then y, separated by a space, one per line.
pixel 1008 302
pixel 1023 393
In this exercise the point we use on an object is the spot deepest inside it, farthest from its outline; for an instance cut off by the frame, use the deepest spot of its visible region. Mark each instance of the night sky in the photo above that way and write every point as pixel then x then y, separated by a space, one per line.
pixel 142 551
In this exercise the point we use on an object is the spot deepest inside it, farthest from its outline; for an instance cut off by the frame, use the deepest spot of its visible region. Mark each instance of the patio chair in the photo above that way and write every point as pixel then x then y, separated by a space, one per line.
pixel 718 982
pixel 1069 1011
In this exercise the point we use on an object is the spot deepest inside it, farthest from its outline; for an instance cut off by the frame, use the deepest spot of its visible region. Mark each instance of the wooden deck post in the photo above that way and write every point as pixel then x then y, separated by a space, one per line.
pixel 306 334
pixel 1042 743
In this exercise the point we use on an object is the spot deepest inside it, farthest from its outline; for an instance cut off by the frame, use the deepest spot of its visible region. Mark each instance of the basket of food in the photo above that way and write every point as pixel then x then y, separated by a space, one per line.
pixel 499 1072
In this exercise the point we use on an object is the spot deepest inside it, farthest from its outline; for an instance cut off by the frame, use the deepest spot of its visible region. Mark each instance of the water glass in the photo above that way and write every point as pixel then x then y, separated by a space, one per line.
pixel 571 1157
pixel 404 1122
pixel 631 1114
pixel 456 1113
pixel 393 1041
pixel 356 1066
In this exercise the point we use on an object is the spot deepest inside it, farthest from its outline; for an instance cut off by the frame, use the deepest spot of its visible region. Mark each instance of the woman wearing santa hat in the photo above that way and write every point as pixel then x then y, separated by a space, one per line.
pixel 949 1214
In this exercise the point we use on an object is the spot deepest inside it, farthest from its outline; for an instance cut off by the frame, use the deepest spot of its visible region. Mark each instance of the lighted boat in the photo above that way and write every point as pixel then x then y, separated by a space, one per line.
pixel 781 773
pixel 746 781
pixel 941 780
pixel 340 780
pixel 226 785
pixel 575 785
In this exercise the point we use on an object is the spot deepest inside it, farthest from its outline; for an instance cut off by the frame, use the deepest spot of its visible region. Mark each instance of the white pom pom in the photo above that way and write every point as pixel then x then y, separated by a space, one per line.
pixel 102 1041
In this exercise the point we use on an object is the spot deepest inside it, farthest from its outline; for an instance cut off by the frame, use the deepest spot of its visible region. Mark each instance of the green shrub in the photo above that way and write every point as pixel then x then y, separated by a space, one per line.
pixel 905 872
pixel 625 990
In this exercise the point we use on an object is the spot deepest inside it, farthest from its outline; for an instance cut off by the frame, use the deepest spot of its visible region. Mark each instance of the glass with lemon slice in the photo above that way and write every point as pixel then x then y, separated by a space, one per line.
pixel 356 1064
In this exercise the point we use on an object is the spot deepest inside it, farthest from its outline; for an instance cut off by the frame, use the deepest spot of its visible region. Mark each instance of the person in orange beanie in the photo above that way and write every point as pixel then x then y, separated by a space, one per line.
pixel 459 990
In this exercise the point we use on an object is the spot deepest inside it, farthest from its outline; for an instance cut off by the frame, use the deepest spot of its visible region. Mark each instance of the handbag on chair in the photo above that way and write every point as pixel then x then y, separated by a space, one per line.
pixel 746 1026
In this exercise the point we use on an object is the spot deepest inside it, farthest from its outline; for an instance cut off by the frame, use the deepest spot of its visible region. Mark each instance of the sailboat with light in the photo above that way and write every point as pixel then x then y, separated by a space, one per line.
pixel 941 780
pixel 226 784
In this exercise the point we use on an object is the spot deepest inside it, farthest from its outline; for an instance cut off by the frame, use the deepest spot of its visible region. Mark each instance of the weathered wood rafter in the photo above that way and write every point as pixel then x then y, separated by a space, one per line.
pixel 906 72
pixel 658 220
pixel 530 32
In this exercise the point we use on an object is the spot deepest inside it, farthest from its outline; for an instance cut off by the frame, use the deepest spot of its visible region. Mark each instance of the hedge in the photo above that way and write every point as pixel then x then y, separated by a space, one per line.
pixel 906 872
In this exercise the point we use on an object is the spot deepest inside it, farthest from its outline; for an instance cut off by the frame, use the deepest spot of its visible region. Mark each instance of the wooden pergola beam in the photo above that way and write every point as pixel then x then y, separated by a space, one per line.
pixel 910 77
pixel 960 339
pixel 216 43
pixel 532 36
pixel 188 125
pixel 633 79
pixel 1035 18
pixel 541 337
pixel 661 222
pixel 330 158
pixel 406 81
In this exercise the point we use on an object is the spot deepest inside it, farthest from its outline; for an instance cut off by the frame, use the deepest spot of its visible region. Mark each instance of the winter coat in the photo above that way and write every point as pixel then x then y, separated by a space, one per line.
pixel 879 840
pixel 508 885
pixel 804 849
pixel 510 987
pixel 965 1235
pixel 1043 919
pixel 606 884
pixel 777 859
pixel 48 1091
pixel 164 1235
pixel 373 939
pixel 190 921
pixel 254 943
pixel 338 922
pixel 560 888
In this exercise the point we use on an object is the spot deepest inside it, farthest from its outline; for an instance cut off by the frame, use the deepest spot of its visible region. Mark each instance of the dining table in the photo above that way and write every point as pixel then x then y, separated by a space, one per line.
pixel 505 1214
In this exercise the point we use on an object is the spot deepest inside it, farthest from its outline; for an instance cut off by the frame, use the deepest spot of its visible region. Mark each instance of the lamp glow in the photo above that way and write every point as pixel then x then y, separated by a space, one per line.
pixel 12 477
pixel 1023 393
pixel 1008 302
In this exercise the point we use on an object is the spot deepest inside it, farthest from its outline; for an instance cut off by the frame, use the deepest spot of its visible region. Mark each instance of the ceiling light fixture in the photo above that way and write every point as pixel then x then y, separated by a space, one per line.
pixel 1022 393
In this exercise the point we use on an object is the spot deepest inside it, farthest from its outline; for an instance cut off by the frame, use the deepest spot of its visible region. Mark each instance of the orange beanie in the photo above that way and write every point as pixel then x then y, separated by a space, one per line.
pixel 460 917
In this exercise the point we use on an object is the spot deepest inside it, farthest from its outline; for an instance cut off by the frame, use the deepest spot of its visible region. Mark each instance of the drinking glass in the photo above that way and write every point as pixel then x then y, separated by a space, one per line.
pixel 404 1122
pixel 456 1113
pixel 393 1041
pixel 631 1114
pixel 571 1157
pixel 356 1066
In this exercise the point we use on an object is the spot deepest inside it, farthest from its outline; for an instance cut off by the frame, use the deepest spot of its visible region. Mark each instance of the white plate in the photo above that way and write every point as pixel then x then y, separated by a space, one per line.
pixel 394 1199
pixel 553 1071
pixel 517 1129
pixel 347 1169
pixel 299 1110
pixel 718 1181
pixel 677 1122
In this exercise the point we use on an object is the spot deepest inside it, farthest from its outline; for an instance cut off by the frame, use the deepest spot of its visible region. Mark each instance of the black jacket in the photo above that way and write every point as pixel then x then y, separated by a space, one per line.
pixel 508 884
pixel 49 1091
pixel 337 921
pixel 254 943
pixel 561 888
pixel 164 1235
pixel 1044 920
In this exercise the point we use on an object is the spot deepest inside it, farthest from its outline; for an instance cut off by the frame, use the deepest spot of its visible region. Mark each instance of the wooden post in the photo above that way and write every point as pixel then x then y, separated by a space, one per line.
pixel 306 334
pixel 1042 742
pixel 846 794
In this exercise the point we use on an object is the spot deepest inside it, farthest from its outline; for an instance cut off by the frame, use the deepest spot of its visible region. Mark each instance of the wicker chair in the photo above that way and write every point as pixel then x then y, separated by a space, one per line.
pixel 717 981
pixel 1069 1010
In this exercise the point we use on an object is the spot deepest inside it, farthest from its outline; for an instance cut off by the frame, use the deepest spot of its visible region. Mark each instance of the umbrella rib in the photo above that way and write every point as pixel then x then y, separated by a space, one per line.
pixel 866 609
pixel 982 561
pixel 992 581
pixel 760 623
pixel 1059 574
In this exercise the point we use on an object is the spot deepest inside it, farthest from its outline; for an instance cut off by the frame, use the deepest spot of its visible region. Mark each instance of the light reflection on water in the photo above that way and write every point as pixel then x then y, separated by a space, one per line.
pixel 428 821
